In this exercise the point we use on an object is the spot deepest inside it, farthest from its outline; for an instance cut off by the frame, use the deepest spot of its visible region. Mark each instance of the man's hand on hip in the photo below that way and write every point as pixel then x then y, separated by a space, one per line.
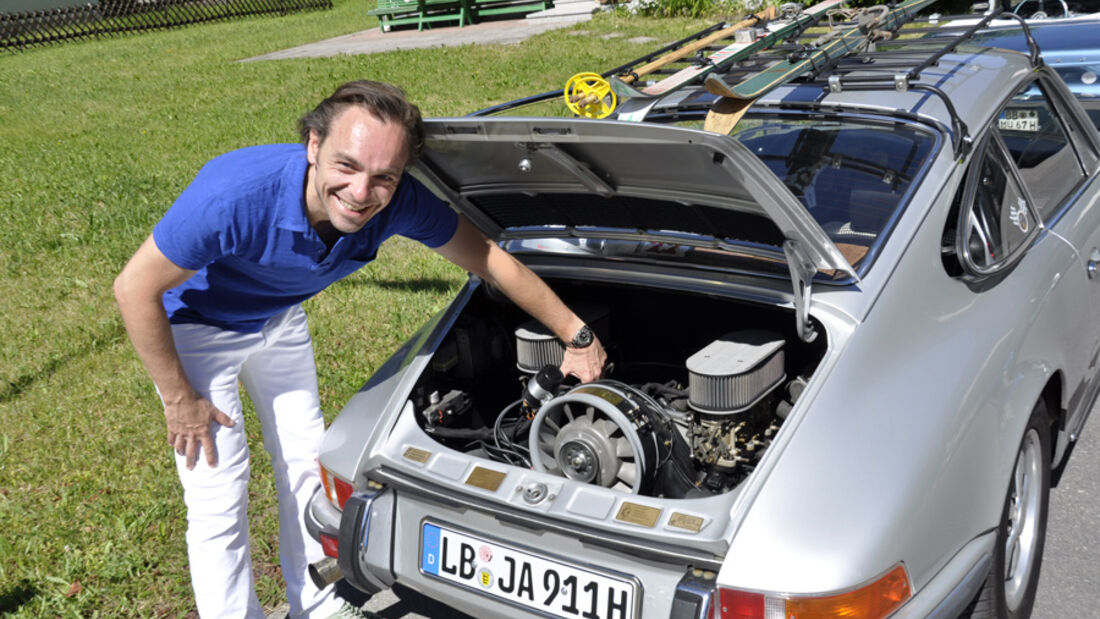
pixel 139 289
pixel 189 428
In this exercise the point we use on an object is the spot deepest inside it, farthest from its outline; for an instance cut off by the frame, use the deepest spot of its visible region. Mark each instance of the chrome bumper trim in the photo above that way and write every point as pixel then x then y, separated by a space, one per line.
pixel 639 547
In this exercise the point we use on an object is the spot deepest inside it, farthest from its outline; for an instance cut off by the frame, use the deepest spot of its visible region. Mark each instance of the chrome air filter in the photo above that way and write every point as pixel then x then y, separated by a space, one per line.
pixel 537 347
pixel 733 372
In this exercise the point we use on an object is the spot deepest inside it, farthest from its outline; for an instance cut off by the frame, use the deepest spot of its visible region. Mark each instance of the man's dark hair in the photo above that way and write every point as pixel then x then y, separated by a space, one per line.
pixel 384 101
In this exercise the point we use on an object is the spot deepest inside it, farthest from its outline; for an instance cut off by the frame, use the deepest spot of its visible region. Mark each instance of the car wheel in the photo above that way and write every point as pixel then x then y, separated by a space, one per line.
pixel 1009 592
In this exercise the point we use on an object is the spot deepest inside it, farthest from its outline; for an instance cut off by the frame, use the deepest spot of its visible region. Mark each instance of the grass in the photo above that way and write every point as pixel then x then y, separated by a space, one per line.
pixel 98 139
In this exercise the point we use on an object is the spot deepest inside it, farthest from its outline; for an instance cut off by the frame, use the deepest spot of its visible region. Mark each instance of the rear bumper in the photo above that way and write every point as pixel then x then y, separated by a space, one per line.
pixel 378 535
pixel 379 541
pixel 363 532
pixel 321 516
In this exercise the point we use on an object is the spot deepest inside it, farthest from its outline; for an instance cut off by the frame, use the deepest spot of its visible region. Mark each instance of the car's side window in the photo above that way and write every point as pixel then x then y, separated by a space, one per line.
pixel 998 223
pixel 1040 148
pixel 991 222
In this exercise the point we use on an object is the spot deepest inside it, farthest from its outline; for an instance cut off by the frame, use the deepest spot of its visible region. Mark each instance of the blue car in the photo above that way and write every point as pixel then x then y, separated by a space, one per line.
pixel 1071 48
pixel 1055 9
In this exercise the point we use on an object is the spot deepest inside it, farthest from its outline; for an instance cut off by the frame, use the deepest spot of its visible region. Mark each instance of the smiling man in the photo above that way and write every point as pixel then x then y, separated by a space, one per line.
pixel 213 296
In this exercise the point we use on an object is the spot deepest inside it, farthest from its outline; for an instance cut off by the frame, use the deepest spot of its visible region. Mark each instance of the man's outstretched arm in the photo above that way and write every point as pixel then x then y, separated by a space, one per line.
pixel 469 249
pixel 138 290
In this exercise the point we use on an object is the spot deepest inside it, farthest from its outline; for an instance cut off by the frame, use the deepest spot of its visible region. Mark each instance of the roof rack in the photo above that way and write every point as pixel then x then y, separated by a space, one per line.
pixel 903 74
pixel 903 81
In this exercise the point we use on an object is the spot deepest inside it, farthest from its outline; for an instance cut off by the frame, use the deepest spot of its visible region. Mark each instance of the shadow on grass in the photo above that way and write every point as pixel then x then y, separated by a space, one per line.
pixel 15 388
pixel 16 596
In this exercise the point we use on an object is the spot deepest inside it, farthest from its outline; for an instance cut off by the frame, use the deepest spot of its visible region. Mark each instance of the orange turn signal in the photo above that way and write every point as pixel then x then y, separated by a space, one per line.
pixel 875 600
pixel 337 489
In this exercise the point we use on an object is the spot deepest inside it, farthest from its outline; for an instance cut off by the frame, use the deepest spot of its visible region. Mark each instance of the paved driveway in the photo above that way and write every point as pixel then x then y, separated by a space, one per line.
pixel 374 41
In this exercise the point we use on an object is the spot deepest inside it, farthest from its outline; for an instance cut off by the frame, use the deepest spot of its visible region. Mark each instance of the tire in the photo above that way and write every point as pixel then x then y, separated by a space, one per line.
pixel 1009 592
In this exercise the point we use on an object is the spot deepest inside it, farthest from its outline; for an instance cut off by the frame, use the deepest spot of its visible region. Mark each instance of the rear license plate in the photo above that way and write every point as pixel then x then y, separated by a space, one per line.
pixel 1019 120
pixel 532 581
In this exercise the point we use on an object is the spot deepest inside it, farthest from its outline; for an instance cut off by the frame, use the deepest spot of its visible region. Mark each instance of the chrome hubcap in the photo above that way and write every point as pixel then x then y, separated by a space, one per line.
pixel 1024 513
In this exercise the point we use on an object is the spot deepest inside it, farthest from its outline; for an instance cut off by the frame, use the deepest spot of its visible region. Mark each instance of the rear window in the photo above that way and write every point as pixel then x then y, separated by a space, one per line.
pixel 853 177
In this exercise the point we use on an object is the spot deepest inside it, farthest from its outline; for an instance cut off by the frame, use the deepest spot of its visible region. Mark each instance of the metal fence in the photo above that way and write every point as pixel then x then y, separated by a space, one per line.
pixel 116 17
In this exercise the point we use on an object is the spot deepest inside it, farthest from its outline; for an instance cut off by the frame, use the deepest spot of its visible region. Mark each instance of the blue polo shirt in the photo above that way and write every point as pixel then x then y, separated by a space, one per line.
pixel 242 226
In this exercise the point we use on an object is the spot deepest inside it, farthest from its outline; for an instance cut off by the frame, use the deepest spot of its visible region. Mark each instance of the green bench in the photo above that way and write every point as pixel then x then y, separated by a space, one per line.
pixel 484 8
pixel 423 13
pixel 420 12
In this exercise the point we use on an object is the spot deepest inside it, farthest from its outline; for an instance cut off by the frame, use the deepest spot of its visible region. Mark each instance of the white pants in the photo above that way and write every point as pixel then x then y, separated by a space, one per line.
pixel 277 368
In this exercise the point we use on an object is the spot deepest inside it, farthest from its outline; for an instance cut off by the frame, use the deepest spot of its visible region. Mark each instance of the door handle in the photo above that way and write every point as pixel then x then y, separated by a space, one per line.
pixel 1093 266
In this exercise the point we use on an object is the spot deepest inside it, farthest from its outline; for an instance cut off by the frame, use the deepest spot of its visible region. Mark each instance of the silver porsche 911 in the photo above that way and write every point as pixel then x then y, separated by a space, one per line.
pixel 852 344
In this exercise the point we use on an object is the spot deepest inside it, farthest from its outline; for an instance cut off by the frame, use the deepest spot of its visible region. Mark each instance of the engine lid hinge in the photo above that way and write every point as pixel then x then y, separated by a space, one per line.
pixel 802 277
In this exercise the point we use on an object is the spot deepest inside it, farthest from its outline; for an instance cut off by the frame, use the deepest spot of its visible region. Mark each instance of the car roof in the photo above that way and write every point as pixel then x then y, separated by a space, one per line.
pixel 970 79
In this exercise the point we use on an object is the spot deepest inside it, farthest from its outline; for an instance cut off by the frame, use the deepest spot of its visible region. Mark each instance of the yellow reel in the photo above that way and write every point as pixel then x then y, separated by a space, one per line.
pixel 589 95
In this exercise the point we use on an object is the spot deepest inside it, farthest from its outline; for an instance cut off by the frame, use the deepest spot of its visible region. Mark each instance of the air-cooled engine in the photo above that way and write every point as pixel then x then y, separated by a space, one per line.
pixel 690 426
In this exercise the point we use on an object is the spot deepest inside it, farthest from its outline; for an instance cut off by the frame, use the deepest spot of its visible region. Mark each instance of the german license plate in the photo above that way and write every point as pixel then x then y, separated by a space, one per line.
pixel 545 585
pixel 1019 120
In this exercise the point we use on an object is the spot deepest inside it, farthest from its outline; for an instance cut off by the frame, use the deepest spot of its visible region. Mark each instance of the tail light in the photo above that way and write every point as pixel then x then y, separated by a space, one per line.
pixel 875 600
pixel 330 546
pixel 337 489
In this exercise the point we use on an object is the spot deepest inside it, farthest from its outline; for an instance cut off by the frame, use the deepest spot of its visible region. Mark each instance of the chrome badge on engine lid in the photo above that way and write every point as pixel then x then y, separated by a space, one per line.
pixel 525 579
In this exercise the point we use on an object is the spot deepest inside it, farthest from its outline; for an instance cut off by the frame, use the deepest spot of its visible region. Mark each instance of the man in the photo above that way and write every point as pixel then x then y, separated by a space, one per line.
pixel 212 297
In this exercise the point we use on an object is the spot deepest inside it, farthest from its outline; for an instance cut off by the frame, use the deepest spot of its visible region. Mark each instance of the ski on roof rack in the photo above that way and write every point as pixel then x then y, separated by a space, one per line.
pixel 823 63
pixel 908 80
pixel 715 48
pixel 868 25
pixel 865 42
pixel 619 70
pixel 749 37
pixel 593 96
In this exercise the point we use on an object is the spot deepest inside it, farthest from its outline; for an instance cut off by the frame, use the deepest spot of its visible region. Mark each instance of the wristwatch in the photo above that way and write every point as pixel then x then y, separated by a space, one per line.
pixel 583 338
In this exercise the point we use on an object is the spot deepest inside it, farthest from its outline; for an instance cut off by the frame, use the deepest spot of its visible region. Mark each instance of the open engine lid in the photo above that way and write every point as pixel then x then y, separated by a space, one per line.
pixel 578 177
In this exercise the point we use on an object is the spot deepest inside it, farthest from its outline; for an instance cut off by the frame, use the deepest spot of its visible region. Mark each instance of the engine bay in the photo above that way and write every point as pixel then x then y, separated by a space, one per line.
pixel 695 390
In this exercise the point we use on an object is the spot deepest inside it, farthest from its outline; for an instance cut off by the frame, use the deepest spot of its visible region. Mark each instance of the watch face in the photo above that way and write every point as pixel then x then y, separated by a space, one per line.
pixel 582 338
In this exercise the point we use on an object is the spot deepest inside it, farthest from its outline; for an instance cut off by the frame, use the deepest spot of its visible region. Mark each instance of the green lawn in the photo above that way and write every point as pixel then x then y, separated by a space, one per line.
pixel 98 138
